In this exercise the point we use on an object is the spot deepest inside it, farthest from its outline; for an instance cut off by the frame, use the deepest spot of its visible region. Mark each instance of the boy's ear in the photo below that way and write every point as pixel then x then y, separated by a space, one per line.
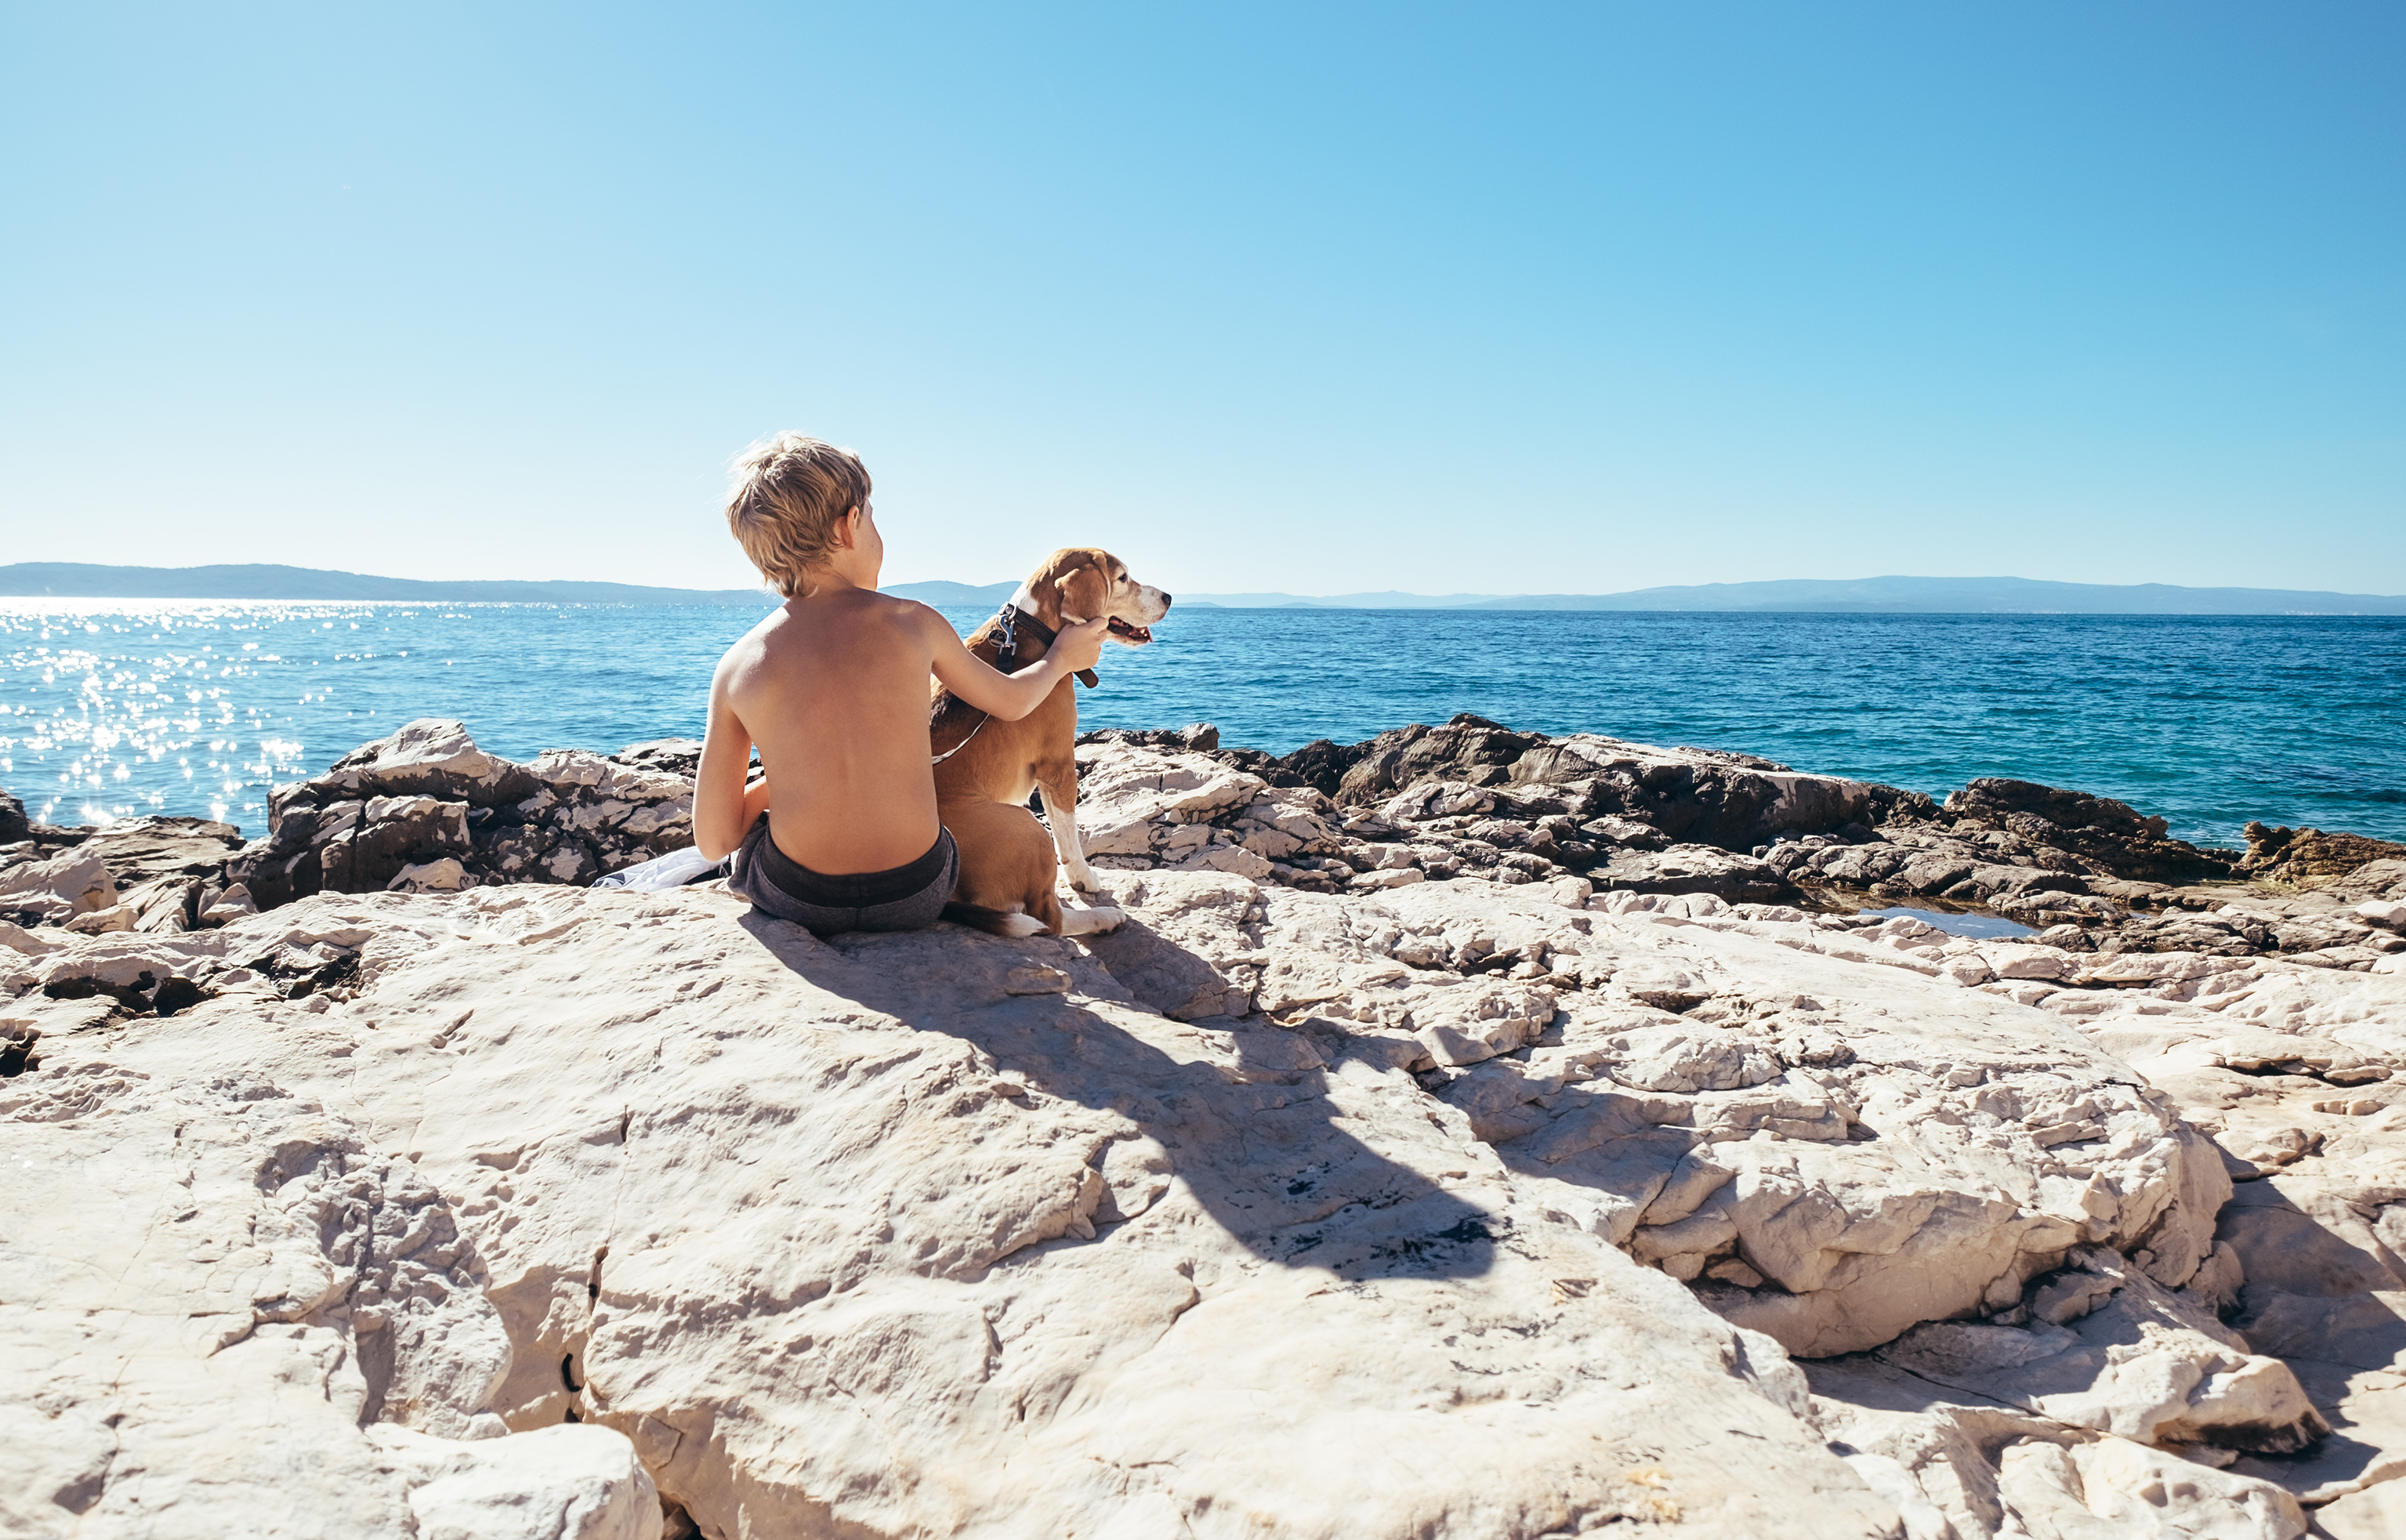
pixel 846 526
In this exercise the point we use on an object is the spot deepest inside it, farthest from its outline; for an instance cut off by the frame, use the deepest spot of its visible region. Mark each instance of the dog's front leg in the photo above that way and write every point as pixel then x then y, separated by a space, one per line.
pixel 1059 789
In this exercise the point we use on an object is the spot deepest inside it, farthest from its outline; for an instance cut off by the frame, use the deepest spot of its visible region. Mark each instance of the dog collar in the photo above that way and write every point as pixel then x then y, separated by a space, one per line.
pixel 1013 618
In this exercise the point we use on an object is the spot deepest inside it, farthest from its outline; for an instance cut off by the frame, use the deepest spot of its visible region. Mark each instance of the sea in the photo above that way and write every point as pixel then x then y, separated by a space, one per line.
pixel 116 709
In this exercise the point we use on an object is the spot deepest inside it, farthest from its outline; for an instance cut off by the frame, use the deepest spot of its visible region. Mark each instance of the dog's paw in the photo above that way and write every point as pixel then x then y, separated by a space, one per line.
pixel 1083 879
pixel 1092 921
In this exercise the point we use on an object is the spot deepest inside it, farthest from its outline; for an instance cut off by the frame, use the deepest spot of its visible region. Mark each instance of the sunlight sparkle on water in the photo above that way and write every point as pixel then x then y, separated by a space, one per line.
pixel 203 707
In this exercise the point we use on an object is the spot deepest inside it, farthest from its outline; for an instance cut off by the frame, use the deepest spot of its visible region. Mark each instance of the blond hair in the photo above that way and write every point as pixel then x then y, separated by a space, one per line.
pixel 790 493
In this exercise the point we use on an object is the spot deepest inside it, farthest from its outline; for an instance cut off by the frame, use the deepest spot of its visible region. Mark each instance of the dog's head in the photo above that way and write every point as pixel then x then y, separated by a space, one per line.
pixel 1083 582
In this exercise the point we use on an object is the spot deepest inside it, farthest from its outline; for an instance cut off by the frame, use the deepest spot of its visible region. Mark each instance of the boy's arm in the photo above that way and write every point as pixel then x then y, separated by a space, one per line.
pixel 1010 696
pixel 723 807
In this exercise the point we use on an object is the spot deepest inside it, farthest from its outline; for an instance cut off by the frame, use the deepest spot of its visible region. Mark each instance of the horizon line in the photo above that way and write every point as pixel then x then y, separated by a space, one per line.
pixel 272 583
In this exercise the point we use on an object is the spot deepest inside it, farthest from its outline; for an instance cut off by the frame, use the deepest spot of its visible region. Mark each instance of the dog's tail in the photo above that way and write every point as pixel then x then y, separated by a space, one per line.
pixel 1009 922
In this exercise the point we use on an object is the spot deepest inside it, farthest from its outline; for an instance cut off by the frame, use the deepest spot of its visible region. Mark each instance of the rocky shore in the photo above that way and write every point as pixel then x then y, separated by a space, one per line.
pixel 1471 1133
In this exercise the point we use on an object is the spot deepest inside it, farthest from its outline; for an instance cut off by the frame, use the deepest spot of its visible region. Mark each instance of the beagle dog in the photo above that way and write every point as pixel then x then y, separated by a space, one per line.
pixel 986 768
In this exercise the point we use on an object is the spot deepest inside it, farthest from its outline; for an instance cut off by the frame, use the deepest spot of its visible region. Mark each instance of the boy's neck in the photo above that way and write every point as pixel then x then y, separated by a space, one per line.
pixel 820 581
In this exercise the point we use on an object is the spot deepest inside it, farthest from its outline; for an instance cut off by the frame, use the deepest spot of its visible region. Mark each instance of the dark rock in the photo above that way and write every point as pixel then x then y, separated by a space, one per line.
pixel 2301 856
pixel 1693 795
pixel 2122 841
pixel 1322 765
pixel 566 818
pixel 667 756
pixel 1512 835
pixel 13 823
pixel 1467 749
pixel 1992 881
pixel 393 832
pixel 1612 829
pixel 143 849
pixel 16 1054
pixel 1694 868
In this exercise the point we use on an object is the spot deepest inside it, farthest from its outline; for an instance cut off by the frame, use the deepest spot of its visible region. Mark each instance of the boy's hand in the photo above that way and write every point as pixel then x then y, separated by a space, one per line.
pixel 1080 646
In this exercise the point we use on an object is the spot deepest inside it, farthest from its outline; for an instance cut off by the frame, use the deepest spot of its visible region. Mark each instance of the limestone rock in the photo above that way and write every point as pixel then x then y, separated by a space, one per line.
pixel 850 1233
pixel 56 890
pixel 563 1483
pixel 1196 1222
pixel 441 876
pixel 2116 1488
pixel 1965 1466
pixel 219 1300
pixel 2109 1349
pixel 2376 1514
pixel 1130 802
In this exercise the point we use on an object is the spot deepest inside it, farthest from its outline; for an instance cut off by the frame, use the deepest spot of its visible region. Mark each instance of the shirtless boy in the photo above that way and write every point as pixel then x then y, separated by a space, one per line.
pixel 832 686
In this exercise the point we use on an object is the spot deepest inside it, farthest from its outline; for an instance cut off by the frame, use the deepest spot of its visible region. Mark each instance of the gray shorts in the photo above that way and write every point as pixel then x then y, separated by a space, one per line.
pixel 908 897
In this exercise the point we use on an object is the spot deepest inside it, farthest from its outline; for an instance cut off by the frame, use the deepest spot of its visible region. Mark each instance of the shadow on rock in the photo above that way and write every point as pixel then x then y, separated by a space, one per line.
pixel 1262 1125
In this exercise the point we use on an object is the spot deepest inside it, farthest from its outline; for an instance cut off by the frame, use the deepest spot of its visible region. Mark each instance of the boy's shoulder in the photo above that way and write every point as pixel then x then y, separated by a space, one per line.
pixel 910 613
pixel 850 614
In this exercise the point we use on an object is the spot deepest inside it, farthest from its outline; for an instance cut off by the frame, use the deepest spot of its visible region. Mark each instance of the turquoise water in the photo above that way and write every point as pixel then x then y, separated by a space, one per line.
pixel 116 708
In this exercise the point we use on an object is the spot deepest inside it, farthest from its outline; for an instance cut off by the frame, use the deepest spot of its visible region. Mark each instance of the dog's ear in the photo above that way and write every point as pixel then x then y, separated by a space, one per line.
pixel 1045 587
pixel 1071 585
pixel 1085 589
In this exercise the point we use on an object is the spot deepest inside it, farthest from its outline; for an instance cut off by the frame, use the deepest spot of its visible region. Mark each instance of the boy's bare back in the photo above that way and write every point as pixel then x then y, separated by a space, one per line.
pixel 833 689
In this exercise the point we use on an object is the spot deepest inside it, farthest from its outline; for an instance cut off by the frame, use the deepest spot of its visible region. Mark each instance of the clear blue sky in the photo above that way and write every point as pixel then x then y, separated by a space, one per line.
pixel 1487 298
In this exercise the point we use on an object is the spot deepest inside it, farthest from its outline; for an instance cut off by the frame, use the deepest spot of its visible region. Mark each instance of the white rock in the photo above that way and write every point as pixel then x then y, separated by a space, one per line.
pixel 2133 1363
pixel 30 943
pixel 73 881
pixel 563 1483
pixel 859 1237
pixel 101 922
pixel 1691 1059
pixel 563 771
pixel 847 1279
pixel 1125 791
pixel 422 750
pixel 234 904
pixel 2377 1513
pixel 2138 1490
pixel 1236 859
pixel 441 876
pixel 2384 913
pixel 208 1288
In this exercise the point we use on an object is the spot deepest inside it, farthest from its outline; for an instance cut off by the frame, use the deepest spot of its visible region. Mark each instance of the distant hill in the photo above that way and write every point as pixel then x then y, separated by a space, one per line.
pixel 959 596
pixel 78 580
pixel 1870 596
pixel 1867 596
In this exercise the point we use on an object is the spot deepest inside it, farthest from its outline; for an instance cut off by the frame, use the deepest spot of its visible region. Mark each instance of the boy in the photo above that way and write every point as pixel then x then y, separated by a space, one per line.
pixel 833 688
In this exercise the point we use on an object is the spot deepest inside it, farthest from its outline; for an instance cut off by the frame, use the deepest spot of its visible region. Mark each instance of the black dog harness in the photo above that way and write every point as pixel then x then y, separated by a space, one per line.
pixel 1012 619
